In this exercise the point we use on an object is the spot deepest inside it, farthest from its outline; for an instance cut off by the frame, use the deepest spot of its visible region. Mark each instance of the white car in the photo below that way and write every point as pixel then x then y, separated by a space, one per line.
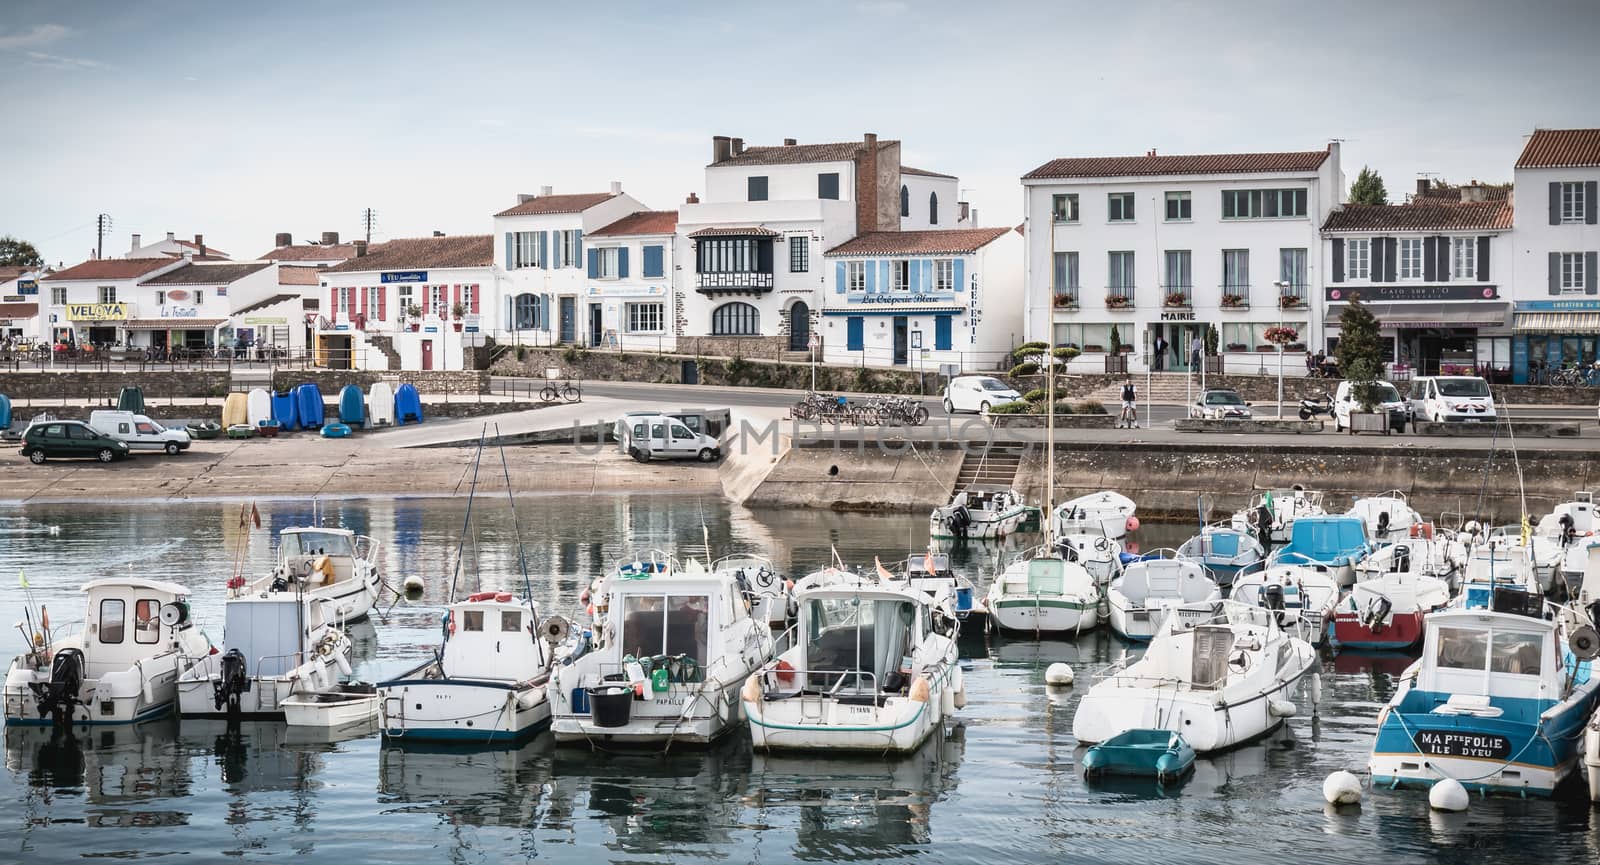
pixel 1389 399
pixel 977 393
pixel 139 432
pixel 1220 404
pixel 661 437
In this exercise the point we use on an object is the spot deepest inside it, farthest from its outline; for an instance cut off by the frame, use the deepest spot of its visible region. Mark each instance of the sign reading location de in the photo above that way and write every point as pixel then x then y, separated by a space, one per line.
pixel 404 276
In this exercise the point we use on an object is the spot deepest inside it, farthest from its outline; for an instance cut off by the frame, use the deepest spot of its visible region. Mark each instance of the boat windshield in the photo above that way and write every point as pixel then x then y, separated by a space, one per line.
pixel 851 634
pixel 1503 651
pixel 670 625
pixel 317 544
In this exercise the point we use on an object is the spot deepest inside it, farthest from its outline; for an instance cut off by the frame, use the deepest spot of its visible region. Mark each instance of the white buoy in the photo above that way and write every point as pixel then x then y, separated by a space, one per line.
pixel 413 583
pixel 1058 674
pixel 1342 788
pixel 1448 795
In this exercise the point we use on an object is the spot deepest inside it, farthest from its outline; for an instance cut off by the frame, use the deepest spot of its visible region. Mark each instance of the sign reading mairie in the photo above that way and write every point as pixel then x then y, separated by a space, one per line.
pixel 97 311
pixel 1387 293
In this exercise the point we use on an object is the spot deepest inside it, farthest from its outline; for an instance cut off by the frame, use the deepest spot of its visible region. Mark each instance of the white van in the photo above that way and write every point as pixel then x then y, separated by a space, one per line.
pixel 1388 399
pixel 1451 398
pixel 139 432
pixel 648 437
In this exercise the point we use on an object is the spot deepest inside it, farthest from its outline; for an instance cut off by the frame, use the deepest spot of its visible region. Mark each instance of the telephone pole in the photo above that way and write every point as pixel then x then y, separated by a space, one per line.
pixel 102 227
pixel 369 219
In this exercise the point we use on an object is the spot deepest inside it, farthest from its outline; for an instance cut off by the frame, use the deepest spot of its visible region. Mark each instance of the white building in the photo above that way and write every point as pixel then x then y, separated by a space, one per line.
pixel 99 302
pixel 629 298
pixel 367 304
pixel 172 247
pixel 1165 246
pixel 285 319
pixel 19 302
pixel 1436 273
pixel 540 252
pixel 192 305
pixel 1556 241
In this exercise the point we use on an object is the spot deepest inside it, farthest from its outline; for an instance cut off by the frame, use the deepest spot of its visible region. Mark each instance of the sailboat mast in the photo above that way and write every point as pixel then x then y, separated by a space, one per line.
pixel 466 521
pixel 1049 442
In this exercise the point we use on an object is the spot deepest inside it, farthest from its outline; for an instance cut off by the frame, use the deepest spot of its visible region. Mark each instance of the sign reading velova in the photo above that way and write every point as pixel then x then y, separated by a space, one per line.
pixel 97 311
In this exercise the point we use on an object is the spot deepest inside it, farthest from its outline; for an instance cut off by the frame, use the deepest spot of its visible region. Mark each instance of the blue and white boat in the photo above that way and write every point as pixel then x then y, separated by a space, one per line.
pixel 1497 566
pixel 1224 551
pixel 1498 702
pixel 1331 544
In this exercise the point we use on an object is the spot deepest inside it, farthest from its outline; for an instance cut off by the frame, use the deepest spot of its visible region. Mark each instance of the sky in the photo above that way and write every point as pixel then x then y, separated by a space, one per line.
pixel 238 121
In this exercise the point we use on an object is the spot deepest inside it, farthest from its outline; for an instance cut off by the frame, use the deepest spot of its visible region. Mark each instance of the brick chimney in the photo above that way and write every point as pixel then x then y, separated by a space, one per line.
pixel 789 142
pixel 361 248
pixel 721 148
pixel 877 185
pixel 200 244
pixel 692 199
pixel 738 146
pixel 282 239
pixel 135 247
pixel 1423 184
pixel 1473 192
pixel 330 238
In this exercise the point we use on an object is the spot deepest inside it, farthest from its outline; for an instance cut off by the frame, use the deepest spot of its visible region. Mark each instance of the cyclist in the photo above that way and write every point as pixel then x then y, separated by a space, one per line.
pixel 1130 416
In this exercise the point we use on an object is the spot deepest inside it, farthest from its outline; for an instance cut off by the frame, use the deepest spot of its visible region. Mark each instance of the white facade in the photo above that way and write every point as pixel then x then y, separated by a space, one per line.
pixel 19 304
pixel 931 201
pixel 101 302
pixel 1557 251
pixel 358 305
pixel 629 301
pixel 171 247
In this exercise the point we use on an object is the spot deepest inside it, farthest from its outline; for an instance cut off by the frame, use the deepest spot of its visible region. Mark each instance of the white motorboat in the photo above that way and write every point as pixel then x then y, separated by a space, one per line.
pixel 870 669
pixel 1570 522
pixel 1300 597
pixel 1543 554
pixel 1112 514
pixel 331 563
pixel 1088 545
pixel 979 513
pixel 664 665
pixel 1224 682
pixel 274 645
pixel 344 705
pixel 771 599
pixel 1158 587
pixel 1388 517
pixel 931 574
pixel 120 666
pixel 1422 554
pixel 1497 565
pixel 1285 506
pixel 1044 593
pixel 1591 756
pixel 488 685
pixel 1225 551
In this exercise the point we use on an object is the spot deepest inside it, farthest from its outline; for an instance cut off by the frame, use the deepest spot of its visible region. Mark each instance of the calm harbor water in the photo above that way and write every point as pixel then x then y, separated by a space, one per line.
pixel 1002 786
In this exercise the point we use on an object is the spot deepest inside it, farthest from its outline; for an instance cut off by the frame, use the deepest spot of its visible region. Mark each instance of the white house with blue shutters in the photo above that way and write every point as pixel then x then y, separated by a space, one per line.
pixel 628 301
pixel 541 253
pixel 919 299
pixel 1557 251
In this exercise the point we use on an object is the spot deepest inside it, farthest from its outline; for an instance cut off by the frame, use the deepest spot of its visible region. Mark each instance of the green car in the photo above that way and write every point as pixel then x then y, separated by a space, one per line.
pixel 69 438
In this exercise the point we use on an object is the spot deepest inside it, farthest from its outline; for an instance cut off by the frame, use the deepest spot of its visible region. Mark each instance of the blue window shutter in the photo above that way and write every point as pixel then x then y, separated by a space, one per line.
pixel 545 247
pixel 914 274
pixel 960 275
pixel 871 267
pixel 841 278
pixel 652 261
pixel 884 279
pixel 594 264
pixel 855 333
pixel 509 264
pixel 622 263
pixel 577 247
pixel 544 313
pixel 941 333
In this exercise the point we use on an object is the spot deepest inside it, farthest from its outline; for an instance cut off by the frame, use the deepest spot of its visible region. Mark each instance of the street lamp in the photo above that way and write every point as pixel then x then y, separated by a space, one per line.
pixel 1283 288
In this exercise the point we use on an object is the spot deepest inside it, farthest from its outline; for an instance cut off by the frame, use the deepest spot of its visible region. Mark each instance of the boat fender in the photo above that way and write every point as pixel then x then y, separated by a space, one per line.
pixel 947 701
pixel 1133 524
pixel 920 689
pixel 1448 795
pixel 1058 674
pixel 583 597
pixel 1282 709
pixel 481 596
pixel 343 663
pixel 784 673
pixel 751 692
pixel 961 698
pixel 449 624
pixel 413 583
pixel 1342 788
pixel 1316 690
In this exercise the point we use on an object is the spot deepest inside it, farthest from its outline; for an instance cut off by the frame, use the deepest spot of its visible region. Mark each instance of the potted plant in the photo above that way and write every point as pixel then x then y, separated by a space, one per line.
pixel 414 313
pixel 1360 356
pixel 1177 299
pixel 1116 361
pixel 457 310
pixel 1289 301
pixel 1281 335
pixel 1066 301
pixel 1233 301
pixel 1118 301
pixel 1213 361
pixel 1238 346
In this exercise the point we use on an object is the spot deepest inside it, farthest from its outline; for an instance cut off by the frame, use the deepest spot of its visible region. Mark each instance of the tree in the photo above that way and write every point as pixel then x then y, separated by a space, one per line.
pixel 1212 338
pixel 1360 352
pixel 1116 340
pixel 1368 188
pixel 18 253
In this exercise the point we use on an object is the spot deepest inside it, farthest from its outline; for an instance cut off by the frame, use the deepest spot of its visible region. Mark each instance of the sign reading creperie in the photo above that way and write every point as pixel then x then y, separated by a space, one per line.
pixel 97 311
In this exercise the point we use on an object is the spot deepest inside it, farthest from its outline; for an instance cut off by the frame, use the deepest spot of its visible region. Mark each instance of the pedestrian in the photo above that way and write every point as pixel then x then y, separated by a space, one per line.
pixel 1311 363
pixel 1129 415
pixel 1160 356
pixel 1321 369
pixel 1196 353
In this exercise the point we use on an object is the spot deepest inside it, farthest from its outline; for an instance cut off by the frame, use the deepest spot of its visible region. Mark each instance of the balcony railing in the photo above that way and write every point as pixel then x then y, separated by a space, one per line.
pixel 1294 295
pixel 1235 295
pixel 1066 299
pixel 1119 296
pixel 1177 296
pixel 738 281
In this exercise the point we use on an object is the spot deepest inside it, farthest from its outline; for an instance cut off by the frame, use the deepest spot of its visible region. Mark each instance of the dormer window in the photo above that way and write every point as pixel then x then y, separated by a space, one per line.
pixel 933 208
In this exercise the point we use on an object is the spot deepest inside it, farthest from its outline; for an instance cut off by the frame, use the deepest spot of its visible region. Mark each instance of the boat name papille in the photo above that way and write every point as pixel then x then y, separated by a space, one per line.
pixel 668 701
pixel 1463 744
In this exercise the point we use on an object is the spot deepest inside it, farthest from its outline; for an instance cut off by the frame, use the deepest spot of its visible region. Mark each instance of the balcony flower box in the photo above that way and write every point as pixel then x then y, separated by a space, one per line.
pixel 1234 301
pixel 1095 349
pixel 1237 346
pixel 1289 301
pixel 1118 301
pixel 1266 348
pixel 1177 300
pixel 1066 301
pixel 1295 346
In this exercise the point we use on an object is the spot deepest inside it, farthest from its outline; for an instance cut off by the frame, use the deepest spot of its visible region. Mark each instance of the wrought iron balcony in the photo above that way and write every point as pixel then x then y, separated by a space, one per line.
pixel 734 282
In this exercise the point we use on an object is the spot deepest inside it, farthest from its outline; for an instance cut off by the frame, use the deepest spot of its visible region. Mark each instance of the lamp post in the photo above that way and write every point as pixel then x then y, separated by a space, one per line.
pixel 1283 288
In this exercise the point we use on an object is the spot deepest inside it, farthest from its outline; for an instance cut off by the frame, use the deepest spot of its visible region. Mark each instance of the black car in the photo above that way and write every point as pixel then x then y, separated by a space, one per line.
pixel 69 438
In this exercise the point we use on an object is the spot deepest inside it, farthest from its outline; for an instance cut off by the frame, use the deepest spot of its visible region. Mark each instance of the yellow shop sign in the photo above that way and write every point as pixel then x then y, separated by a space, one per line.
pixel 97 311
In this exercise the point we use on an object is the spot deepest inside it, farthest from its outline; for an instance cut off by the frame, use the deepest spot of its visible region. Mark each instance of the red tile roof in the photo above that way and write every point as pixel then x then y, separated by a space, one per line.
pixel 734 231
pixel 1561 148
pixel 1422 216
pixel 207 274
pixel 906 169
pixel 289 274
pixel 18 310
pixel 112 268
pixel 544 204
pixel 1442 194
pixel 210 250
pixel 420 253
pixel 263 304
pixel 11 271
pixel 1297 162
pixel 311 252
pixel 796 154
pixel 641 222
pixel 955 241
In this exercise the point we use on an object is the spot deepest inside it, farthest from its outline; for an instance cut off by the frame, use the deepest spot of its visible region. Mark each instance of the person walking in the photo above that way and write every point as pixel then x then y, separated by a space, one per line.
pixel 1129 417
pixel 1159 357
pixel 1197 353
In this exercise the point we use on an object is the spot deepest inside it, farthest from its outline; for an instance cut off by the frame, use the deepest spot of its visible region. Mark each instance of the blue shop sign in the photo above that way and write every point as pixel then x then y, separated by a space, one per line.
pixel 404 276
pixel 1557 305
pixel 27 286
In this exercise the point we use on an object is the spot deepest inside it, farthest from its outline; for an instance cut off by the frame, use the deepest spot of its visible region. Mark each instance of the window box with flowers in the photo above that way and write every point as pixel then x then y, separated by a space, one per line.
pixel 1177 300
pixel 1237 346
pixel 1066 301
pixel 1289 301
pixel 1118 301
pixel 1094 349
pixel 1235 301
pixel 1280 336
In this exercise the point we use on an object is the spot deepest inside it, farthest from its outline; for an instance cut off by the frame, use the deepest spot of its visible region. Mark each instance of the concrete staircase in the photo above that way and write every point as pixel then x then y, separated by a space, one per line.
pixel 385 346
pixel 1164 387
pixel 996 467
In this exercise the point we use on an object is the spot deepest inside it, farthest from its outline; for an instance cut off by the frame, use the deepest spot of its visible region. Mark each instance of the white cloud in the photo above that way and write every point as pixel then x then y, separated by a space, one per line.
pixel 56 61
pixel 884 7
pixel 43 34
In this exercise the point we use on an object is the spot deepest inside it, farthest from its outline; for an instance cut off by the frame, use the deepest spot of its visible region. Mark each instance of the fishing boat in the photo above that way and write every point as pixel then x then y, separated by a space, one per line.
pixel 1545 555
pixel 1496 566
pixel 1388 517
pixel 1221 683
pixel 671 645
pixel 1160 754
pixel 1224 551
pixel 766 589
pixel 1112 513
pixel 1570 522
pixel 324 562
pixel 487 685
pixel 1384 611
pixel 871 668
pixel 979 512
pixel 1044 593
pixel 932 574
pixel 275 645
pixel 121 665
pixel 1300 597
pixel 1159 586
pixel 1285 507
pixel 1497 702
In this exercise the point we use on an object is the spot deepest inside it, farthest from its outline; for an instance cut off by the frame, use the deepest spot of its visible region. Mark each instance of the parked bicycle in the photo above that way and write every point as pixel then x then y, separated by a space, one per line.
pixel 558 386
pixel 897 411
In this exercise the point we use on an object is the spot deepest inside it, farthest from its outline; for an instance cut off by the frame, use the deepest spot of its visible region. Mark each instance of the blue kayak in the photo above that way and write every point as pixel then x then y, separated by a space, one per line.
pixel 1159 754
pixel 353 406
pixel 285 410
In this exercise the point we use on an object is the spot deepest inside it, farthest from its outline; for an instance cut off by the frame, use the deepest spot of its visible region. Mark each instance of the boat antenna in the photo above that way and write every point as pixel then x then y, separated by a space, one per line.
pixel 466 521
pixel 516 524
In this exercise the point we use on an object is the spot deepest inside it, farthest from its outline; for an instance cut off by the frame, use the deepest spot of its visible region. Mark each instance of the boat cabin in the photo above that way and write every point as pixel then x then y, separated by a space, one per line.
pixel 1472 657
pixel 493 636
pixel 1326 540
pixel 677 618
pixel 1495 569
pixel 125 623
pixel 273 632
pixel 858 644
pixel 1045 578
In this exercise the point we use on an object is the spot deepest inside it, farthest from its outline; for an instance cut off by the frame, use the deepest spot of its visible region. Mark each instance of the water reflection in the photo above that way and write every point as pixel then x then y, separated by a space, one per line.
pixel 474 787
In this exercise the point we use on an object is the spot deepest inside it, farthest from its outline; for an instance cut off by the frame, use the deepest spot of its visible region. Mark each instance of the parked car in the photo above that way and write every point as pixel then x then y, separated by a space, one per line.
pixel 139 432
pixel 1388 399
pixel 977 393
pixel 1447 398
pixel 70 438
pixel 1220 404
pixel 661 437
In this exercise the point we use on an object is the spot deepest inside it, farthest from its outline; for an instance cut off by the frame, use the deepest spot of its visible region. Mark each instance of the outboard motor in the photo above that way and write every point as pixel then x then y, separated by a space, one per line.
pixel 1568 532
pixel 233 682
pixel 1272 599
pixel 959 519
pixel 59 697
pixel 1383 524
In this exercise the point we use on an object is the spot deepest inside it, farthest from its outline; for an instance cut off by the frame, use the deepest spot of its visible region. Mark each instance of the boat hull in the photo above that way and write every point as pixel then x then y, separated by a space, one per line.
pixel 1533 764
pixel 1195 715
pixel 459 710
pixel 1140 624
pixel 798 724
pixel 661 722
pixel 1043 615
pixel 119 698
pixel 1401 631
pixel 981 528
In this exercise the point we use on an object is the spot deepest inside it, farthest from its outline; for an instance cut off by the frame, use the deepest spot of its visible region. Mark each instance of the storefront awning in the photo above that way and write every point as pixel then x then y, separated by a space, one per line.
pixel 1558 322
pixel 173 323
pixel 1397 316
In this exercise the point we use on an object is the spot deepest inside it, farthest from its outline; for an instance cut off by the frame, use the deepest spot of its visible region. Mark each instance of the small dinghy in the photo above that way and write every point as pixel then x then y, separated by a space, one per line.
pixel 241 431
pixel 336 430
pixel 1159 754
pixel 204 430
pixel 349 703
pixel 285 410
pixel 268 428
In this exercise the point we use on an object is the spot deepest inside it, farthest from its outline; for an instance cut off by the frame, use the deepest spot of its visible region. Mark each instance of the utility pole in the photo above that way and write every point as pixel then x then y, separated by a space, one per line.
pixel 102 227
pixel 369 219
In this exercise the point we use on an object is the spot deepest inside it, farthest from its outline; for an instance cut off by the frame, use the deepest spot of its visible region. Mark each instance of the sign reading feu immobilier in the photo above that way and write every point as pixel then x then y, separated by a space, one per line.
pixel 97 311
